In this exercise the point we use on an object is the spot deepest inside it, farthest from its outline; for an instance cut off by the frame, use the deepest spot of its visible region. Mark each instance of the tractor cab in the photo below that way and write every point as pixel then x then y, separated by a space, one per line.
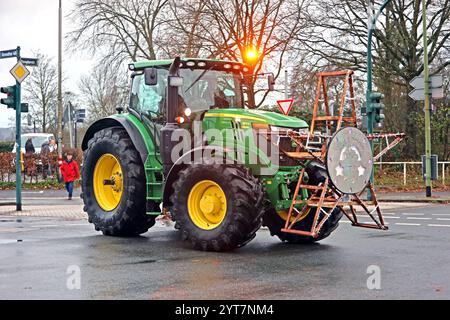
pixel 202 85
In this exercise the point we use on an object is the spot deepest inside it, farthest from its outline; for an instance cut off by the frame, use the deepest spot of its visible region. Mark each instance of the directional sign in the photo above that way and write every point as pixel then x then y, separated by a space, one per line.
pixel 31 62
pixel 419 94
pixel 436 88
pixel 437 81
pixel 285 106
pixel 19 72
pixel 8 54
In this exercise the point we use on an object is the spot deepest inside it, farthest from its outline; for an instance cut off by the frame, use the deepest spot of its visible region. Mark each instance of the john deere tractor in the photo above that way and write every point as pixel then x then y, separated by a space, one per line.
pixel 188 146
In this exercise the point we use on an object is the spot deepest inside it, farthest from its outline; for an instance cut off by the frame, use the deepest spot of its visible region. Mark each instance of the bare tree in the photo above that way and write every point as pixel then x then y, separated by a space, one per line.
pixel 103 91
pixel 181 34
pixel 337 36
pixel 229 29
pixel 119 29
pixel 40 92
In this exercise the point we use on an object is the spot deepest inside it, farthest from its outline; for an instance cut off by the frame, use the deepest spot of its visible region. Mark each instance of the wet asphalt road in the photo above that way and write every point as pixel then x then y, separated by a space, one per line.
pixel 413 258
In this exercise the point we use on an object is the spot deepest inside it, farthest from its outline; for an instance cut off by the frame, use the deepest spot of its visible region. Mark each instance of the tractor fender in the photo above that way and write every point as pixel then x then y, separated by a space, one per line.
pixel 184 161
pixel 134 134
pixel 179 165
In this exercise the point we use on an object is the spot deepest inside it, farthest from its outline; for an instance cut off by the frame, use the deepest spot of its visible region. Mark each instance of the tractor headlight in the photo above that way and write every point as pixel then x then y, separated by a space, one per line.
pixel 280 130
pixel 187 112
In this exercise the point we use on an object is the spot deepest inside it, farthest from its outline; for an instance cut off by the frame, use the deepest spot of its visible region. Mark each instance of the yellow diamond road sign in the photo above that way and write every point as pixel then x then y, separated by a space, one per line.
pixel 20 72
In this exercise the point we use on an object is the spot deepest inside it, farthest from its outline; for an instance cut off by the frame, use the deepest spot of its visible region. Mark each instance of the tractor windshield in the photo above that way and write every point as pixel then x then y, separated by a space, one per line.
pixel 202 89
pixel 209 89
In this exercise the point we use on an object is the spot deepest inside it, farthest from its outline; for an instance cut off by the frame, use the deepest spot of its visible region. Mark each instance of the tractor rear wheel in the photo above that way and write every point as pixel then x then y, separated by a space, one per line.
pixel 275 221
pixel 216 207
pixel 113 184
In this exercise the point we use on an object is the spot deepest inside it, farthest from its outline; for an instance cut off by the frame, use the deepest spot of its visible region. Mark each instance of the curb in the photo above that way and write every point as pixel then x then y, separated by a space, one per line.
pixel 7 203
pixel 420 200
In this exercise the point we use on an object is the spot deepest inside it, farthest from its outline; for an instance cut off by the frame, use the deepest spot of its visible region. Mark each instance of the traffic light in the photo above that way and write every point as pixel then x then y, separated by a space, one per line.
pixel 376 106
pixel 251 56
pixel 80 115
pixel 10 99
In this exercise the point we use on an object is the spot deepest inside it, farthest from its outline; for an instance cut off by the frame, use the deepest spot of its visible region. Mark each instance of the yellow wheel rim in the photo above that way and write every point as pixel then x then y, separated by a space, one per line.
pixel 207 205
pixel 284 215
pixel 108 182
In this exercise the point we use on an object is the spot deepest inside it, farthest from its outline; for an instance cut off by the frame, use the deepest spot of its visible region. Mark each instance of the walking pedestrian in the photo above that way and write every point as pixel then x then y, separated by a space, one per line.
pixel 29 147
pixel 70 173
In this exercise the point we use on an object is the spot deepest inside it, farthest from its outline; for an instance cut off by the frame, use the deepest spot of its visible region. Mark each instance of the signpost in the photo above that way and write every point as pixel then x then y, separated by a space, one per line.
pixel 19 72
pixel 285 105
pixel 436 88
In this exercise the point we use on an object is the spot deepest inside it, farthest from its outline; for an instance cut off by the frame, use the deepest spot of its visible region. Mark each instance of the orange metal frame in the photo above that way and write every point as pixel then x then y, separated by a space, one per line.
pixel 325 197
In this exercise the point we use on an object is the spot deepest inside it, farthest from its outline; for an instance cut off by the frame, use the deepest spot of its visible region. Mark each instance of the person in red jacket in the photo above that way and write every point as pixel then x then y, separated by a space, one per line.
pixel 70 172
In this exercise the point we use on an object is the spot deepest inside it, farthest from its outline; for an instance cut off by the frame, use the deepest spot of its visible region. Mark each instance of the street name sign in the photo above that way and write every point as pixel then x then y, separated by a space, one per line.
pixel 8 53
pixel 31 62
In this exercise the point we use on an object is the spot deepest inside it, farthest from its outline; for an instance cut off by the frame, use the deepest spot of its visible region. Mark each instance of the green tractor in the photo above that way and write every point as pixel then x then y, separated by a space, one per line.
pixel 187 146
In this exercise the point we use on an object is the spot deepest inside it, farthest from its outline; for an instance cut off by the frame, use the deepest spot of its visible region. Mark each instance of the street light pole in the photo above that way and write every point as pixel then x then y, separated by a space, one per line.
pixel 427 102
pixel 59 113
pixel 286 81
pixel 370 113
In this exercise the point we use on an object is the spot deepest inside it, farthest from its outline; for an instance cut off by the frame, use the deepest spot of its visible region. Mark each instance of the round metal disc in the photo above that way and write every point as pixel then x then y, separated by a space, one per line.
pixel 349 160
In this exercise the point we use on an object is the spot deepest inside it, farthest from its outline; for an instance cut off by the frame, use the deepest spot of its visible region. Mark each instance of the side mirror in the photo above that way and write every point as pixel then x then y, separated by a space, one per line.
pixel 271 82
pixel 151 76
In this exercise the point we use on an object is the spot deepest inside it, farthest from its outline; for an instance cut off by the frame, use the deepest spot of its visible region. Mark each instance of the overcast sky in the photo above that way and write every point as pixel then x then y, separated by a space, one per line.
pixel 33 25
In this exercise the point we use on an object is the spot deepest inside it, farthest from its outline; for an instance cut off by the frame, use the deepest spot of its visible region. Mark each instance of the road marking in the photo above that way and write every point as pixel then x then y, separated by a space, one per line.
pixel 76 224
pixel 417 218
pixel 346 221
pixel 392 217
pixel 45 226
pixel 441 214
pixel 413 214
pixel 439 225
pixel 408 224
pixel 443 219
pixel 40 192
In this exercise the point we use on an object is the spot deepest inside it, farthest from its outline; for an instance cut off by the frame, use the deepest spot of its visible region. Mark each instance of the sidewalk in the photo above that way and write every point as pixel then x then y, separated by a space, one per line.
pixel 68 212
pixel 436 197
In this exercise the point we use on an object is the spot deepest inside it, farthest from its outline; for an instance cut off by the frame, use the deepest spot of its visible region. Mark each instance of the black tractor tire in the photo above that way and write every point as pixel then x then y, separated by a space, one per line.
pixel 243 217
pixel 129 218
pixel 275 223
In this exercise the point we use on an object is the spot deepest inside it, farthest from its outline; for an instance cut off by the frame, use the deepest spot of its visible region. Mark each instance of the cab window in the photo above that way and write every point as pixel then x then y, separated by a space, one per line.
pixel 148 99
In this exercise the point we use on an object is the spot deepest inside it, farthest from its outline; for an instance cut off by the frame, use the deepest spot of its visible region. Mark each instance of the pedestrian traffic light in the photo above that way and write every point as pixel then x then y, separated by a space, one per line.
pixel 10 99
pixel 376 106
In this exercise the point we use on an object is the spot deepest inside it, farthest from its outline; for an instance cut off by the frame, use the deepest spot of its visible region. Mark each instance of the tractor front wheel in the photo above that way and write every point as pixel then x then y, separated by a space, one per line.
pixel 113 183
pixel 275 221
pixel 217 208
